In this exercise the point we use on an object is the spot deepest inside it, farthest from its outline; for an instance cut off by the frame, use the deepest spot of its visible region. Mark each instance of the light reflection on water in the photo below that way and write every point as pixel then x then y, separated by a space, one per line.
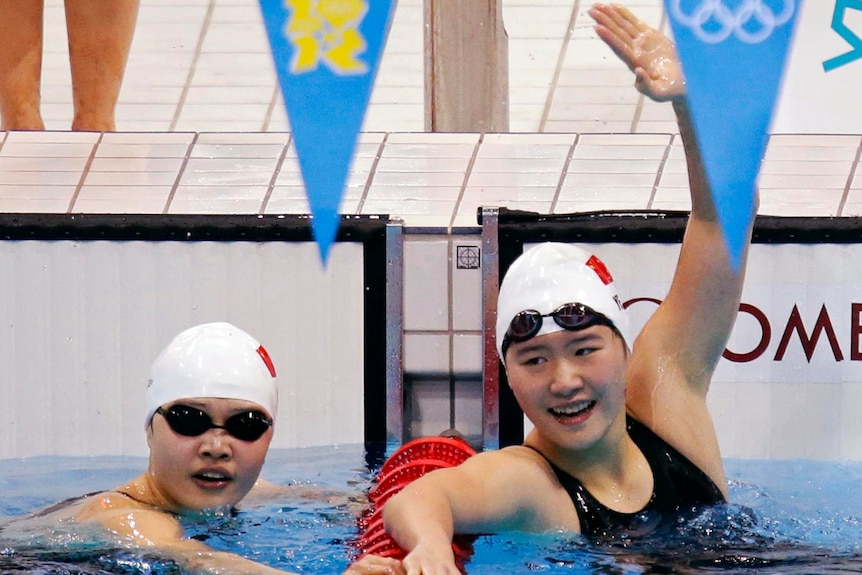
pixel 785 517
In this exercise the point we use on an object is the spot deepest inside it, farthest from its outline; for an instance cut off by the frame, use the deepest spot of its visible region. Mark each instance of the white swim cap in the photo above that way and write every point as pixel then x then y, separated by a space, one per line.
pixel 552 274
pixel 213 360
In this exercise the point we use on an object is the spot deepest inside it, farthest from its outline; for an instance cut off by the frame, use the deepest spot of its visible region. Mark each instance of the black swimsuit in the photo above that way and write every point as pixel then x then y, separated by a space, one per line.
pixel 678 486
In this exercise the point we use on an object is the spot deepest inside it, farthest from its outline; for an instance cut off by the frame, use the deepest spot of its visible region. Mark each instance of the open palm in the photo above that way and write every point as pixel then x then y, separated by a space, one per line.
pixel 646 51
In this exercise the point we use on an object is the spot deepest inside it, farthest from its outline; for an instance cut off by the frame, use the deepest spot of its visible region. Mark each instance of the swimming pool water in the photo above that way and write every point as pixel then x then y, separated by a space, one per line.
pixel 785 517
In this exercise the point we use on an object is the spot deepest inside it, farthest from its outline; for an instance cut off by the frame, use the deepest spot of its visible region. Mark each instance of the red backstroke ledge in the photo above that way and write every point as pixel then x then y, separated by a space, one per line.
pixel 411 461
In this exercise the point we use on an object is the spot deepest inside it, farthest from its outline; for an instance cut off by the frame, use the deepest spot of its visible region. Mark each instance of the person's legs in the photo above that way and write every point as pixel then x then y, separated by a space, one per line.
pixel 100 35
pixel 20 64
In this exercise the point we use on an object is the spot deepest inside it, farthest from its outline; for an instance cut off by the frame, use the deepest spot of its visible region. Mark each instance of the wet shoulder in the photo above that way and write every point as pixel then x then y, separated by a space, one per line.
pixel 517 462
pixel 67 508
pixel 104 502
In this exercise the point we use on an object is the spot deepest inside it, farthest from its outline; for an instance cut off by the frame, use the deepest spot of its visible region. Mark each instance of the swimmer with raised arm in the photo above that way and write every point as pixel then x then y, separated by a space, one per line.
pixel 622 435
pixel 211 404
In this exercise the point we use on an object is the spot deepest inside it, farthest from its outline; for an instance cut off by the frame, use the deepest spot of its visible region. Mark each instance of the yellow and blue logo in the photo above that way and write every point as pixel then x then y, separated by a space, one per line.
pixel 326 54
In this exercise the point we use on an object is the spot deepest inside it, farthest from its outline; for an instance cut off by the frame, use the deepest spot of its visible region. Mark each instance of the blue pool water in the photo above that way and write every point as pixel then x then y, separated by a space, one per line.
pixel 796 517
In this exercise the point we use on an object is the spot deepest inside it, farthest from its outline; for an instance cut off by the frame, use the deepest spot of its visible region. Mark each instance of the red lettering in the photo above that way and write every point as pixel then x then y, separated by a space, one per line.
pixel 823 324
pixel 795 325
pixel 855 330
pixel 640 299
pixel 765 336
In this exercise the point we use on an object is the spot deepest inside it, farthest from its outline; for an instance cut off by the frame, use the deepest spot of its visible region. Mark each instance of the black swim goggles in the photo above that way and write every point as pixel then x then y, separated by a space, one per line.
pixel 569 316
pixel 191 422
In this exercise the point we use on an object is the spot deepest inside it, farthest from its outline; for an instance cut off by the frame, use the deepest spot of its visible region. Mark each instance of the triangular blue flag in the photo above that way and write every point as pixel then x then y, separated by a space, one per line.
pixel 326 54
pixel 733 54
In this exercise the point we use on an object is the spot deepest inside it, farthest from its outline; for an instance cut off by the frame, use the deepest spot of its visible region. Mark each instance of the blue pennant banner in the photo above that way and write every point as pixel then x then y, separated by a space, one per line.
pixel 326 54
pixel 733 54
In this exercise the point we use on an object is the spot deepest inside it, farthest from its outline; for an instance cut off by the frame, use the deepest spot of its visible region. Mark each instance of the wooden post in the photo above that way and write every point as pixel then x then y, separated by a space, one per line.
pixel 466 66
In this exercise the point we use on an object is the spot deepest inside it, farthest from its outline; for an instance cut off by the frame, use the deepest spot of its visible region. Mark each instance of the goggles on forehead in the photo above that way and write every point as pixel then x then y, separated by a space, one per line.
pixel 569 316
pixel 191 422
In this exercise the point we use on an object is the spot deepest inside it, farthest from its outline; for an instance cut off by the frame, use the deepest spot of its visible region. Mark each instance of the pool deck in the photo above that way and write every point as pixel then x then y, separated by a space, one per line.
pixel 205 66
pixel 204 129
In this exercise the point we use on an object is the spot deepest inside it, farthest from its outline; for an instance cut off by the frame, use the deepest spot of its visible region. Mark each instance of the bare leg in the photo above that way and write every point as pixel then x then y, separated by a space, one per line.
pixel 100 36
pixel 20 64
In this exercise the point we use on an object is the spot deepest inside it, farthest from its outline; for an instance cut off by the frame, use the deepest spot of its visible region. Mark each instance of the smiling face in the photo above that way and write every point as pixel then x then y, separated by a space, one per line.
pixel 571 385
pixel 207 471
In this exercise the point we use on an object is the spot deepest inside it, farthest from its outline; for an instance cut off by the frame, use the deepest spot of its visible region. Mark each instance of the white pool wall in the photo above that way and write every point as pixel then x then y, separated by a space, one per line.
pixel 435 183
pixel 200 105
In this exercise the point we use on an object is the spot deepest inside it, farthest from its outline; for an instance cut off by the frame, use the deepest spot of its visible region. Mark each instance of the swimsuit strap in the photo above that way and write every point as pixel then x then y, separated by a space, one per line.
pixel 677 484
pixel 677 481
pixel 62 504
pixel 595 517
pixel 132 497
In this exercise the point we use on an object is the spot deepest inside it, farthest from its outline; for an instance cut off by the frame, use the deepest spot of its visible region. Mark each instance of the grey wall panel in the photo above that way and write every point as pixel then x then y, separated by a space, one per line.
pixel 81 321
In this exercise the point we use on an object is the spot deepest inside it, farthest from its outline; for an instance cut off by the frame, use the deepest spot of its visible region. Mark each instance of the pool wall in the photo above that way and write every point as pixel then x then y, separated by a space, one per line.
pixel 435 184
pixel 792 357
pixel 90 301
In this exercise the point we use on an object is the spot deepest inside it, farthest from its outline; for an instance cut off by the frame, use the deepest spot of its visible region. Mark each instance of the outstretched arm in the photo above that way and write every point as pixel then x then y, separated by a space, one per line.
pixel 488 493
pixel 676 353
pixel 161 532
pixel 700 309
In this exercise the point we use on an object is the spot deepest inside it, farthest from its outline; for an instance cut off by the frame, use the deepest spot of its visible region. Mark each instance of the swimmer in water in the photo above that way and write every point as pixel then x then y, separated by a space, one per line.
pixel 622 435
pixel 211 404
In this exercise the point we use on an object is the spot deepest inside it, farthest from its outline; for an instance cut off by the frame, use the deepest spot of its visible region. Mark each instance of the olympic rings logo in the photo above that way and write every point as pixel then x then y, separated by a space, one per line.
pixel 751 21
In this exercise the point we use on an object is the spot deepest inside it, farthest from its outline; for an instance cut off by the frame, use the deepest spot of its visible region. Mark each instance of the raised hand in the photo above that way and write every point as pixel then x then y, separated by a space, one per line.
pixel 647 52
